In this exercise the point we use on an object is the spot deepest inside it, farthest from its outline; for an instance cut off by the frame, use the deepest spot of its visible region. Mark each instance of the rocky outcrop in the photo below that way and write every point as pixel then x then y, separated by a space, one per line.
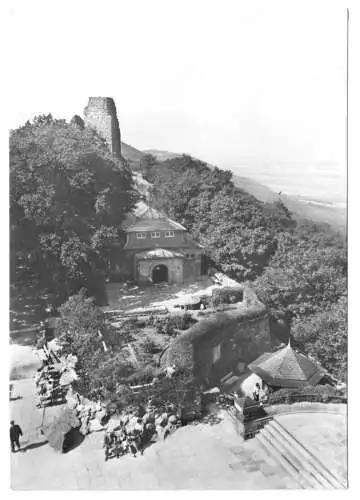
pixel 100 114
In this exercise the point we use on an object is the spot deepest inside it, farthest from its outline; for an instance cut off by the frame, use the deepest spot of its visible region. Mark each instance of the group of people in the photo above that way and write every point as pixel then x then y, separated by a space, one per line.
pixel 47 381
pixel 136 431
pixel 260 394
pixel 123 440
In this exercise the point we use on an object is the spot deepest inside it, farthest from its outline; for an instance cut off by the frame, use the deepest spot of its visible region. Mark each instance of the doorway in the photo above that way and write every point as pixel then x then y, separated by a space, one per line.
pixel 160 274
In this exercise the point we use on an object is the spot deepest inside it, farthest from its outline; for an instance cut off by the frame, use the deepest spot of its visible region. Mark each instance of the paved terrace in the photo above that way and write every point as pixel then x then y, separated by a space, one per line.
pixel 133 297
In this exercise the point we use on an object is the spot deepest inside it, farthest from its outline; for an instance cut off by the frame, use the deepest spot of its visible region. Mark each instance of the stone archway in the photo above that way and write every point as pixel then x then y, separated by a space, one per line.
pixel 160 274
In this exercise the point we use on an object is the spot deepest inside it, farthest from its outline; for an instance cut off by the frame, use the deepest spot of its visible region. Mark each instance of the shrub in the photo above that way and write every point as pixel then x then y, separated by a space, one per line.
pixel 144 375
pixel 164 325
pixel 319 394
pixel 182 321
pixel 149 346
pixel 227 295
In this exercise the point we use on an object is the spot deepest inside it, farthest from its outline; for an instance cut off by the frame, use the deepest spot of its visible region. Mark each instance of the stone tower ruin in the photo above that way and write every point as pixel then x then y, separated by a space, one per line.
pixel 100 114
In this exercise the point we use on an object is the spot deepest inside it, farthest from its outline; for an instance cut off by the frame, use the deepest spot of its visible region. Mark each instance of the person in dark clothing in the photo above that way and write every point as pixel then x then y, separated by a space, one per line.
pixel 256 394
pixel 15 433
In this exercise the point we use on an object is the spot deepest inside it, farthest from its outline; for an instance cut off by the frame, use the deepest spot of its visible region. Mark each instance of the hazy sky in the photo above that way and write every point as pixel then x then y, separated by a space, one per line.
pixel 229 82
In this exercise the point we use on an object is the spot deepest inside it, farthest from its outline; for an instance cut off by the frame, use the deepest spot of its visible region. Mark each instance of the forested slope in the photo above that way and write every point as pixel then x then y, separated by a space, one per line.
pixel 298 268
pixel 69 196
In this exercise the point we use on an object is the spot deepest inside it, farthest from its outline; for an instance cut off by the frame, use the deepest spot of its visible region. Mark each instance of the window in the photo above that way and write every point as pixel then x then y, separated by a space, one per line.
pixel 141 236
pixel 155 234
pixel 169 234
pixel 216 353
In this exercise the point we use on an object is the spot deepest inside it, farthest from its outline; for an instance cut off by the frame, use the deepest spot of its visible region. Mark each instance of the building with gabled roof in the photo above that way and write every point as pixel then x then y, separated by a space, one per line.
pixel 158 249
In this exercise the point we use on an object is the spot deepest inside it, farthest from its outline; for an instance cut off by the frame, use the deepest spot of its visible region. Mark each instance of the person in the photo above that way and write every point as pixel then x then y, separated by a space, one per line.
pixel 15 433
pixel 107 445
pixel 256 393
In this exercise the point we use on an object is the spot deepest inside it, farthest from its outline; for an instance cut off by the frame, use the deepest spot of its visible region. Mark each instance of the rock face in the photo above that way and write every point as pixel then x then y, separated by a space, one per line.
pixel 100 114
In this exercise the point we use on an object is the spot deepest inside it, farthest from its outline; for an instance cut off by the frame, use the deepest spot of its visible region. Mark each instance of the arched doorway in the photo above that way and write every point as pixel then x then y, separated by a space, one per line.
pixel 160 274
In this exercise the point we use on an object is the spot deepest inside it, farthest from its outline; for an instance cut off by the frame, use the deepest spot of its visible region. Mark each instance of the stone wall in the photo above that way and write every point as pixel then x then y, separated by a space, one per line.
pixel 241 342
pixel 100 114
pixel 243 334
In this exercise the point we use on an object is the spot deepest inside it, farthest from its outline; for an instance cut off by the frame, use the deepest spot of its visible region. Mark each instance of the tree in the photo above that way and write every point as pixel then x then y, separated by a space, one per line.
pixel 236 229
pixel 324 335
pixel 305 276
pixel 68 197
pixel 232 226
pixel 82 329
pixel 147 163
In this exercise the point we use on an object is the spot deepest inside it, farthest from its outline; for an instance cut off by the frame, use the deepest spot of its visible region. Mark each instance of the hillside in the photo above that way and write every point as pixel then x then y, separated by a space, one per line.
pixel 132 155
pixel 300 208
pixel 161 155
pixel 66 217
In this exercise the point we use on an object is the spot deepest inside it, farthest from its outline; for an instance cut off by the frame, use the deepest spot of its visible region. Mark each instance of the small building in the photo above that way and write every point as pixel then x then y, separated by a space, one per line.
pixel 286 368
pixel 159 250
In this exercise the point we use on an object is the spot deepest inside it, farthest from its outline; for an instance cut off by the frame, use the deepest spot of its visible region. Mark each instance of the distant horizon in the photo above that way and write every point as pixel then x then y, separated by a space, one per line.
pixel 244 83
pixel 319 176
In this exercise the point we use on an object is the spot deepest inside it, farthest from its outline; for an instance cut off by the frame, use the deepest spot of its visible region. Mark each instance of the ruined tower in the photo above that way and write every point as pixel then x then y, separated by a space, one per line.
pixel 100 114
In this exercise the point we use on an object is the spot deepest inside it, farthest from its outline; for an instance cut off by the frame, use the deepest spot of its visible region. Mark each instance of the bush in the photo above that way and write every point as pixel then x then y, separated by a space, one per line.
pixel 227 295
pixel 144 375
pixel 319 394
pixel 182 321
pixel 164 325
pixel 149 346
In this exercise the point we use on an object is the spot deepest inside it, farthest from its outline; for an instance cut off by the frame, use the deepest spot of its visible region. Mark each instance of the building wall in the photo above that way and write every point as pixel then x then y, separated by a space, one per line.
pixel 144 269
pixel 192 264
pixel 124 266
pixel 240 342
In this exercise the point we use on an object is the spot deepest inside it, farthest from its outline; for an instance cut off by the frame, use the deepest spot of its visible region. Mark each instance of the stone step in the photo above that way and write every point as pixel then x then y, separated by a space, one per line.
pixel 308 457
pixel 310 476
pixel 287 466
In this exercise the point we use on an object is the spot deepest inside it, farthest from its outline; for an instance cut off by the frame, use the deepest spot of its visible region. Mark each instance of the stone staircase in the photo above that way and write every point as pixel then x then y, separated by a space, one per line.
pixel 298 461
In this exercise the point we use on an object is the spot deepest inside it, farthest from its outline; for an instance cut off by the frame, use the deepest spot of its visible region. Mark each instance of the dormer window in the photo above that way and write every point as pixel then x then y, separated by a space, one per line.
pixel 155 234
pixel 169 234
pixel 141 236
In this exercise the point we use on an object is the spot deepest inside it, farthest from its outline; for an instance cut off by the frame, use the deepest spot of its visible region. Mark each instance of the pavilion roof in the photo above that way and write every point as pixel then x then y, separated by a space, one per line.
pixel 287 368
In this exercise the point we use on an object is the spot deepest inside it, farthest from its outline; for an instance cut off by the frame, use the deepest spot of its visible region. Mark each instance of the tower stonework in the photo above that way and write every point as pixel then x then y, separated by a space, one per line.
pixel 100 114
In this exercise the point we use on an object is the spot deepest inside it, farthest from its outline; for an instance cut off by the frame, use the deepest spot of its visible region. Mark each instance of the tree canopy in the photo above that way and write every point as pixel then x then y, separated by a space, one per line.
pixel 68 197
pixel 298 268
